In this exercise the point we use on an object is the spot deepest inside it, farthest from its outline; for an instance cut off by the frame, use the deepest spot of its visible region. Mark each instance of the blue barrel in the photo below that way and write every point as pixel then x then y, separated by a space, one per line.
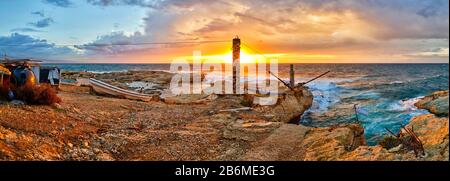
pixel 23 76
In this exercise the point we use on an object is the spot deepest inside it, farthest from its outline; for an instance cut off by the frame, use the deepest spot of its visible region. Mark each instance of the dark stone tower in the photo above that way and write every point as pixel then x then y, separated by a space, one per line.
pixel 236 63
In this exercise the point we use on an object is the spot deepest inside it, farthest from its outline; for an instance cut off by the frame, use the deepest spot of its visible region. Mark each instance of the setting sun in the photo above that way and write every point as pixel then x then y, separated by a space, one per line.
pixel 246 57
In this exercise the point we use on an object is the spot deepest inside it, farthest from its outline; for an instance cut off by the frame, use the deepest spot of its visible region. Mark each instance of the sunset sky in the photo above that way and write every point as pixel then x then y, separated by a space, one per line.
pixel 301 31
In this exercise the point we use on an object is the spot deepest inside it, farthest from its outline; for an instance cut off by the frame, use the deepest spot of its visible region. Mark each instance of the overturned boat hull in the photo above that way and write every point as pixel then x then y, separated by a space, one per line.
pixel 107 89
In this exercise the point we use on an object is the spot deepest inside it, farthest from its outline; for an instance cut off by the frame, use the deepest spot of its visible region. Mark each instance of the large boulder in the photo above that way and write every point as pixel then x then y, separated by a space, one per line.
pixel 433 132
pixel 325 144
pixel 290 106
pixel 339 143
pixel 436 103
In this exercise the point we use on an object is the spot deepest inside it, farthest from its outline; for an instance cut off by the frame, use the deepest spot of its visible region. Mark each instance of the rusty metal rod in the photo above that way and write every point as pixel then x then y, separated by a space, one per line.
pixel 285 84
pixel 321 75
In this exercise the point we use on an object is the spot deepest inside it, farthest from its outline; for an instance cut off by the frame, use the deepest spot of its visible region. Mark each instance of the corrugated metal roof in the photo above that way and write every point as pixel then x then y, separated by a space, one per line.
pixel 4 70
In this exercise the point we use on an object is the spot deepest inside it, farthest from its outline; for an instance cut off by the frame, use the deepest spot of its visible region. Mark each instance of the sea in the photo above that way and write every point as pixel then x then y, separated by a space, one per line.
pixel 385 92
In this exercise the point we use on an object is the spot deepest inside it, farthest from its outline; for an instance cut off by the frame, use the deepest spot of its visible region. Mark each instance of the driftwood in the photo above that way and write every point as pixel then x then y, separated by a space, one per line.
pixel 300 84
pixel 356 113
pixel 285 84
pixel 410 140
pixel 292 76
pixel 321 75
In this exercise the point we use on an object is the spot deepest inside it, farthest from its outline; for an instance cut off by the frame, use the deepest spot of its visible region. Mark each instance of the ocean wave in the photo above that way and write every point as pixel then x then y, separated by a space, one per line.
pixel 325 92
pixel 106 72
pixel 323 85
pixel 405 105
pixel 397 82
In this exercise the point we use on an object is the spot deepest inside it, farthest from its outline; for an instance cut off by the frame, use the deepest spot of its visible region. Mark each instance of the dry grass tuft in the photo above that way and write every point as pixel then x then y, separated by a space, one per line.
pixel 42 94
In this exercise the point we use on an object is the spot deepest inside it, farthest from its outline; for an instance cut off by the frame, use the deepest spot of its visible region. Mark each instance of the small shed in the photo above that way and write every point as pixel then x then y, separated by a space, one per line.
pixel 3 73
pixel 43 74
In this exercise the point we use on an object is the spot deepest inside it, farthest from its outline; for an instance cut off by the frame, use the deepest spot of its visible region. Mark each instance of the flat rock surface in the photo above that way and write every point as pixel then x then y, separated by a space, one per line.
pixel 280 145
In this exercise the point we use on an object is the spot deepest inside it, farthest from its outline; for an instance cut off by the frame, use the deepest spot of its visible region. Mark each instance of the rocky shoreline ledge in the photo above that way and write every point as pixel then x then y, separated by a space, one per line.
pixel 91 127
pixel 431 129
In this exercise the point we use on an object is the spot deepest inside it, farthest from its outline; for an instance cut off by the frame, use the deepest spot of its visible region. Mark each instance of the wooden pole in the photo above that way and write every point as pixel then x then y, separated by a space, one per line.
pixel 236 63
pixel 292 76
pixel 356 112
pixel 304 83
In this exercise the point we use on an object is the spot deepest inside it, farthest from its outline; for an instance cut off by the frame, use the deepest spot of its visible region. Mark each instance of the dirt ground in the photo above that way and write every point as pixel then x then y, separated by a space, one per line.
pixel 89 127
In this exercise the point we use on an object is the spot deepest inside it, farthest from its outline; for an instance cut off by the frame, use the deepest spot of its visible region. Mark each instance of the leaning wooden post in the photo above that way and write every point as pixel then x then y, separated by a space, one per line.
pixel 292 76
pixel 356 112
pixel 1 79
pixel 236 63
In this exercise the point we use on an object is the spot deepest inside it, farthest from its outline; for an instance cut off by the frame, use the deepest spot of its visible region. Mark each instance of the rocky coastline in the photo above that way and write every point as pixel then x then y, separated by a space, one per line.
pixel 431 129
pixel 86 126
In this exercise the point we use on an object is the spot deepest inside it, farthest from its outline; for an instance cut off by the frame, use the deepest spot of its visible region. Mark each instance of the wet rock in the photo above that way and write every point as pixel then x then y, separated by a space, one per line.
pixel 290 106
pixel 437 103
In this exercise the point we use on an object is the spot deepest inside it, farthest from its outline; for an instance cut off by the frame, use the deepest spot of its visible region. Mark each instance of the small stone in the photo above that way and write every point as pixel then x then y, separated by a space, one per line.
pixel 84 151
pixel 396 149
pixel 57 106
pixel 70 145
pixel 105 157
pixel 76 110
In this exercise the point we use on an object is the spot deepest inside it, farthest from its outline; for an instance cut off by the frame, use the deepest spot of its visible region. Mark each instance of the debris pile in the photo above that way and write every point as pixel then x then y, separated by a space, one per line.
pixel 406 139
pixel 42 94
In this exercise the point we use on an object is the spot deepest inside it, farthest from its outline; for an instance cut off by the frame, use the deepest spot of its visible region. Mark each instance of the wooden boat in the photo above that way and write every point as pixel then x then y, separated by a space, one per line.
pixel 107 89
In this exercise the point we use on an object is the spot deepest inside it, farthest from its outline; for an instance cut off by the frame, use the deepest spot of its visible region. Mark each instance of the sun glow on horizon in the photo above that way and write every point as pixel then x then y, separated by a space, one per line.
pixel 245 57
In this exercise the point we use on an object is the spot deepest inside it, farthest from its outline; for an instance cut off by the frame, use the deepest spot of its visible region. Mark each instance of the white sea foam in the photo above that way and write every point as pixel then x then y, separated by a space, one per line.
pixel 325 94
pixel 405 105
pixel 396 82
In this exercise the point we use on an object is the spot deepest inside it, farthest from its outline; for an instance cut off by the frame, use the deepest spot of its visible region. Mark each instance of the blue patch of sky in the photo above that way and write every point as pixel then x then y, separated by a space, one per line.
pixel 80 20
